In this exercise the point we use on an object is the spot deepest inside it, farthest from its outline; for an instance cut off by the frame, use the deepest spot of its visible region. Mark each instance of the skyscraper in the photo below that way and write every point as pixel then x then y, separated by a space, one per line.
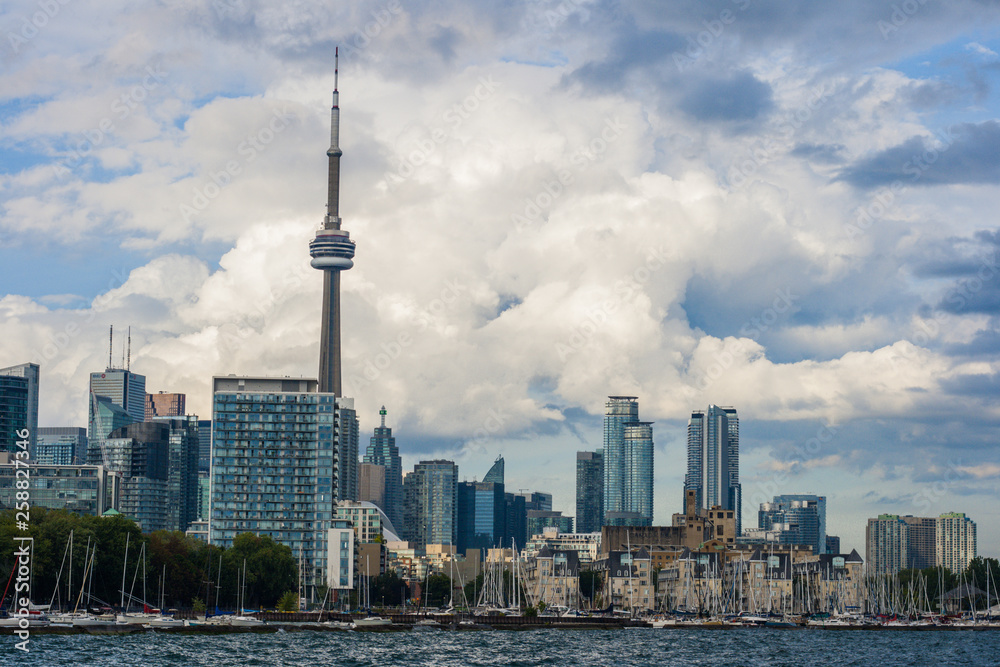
pixel 182 473
pixel 589 491
pixel 382 451
pixel 495 473
pixel 125 389
pixel 140 454
pixel 19 405
pixel 204 446
pixel 713 460
pixel 274 464
pixel 432 503
pixel 628 464
pixel 332 251
pixel 347 450
pixel 955 541
pixel 481 515
pixel 803 517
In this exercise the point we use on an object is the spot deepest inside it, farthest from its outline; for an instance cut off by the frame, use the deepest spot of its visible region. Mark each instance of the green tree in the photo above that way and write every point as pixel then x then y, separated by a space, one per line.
pixel 388 589
pixel 289 601
pixel 438 590
pixel 271 569
pixel 198 605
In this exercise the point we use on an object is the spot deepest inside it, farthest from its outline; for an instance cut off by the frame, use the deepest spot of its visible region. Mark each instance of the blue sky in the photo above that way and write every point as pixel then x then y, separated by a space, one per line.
pixel 788 210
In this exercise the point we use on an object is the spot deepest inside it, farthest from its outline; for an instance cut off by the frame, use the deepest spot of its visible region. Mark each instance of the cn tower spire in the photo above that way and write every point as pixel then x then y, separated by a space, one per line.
pixel 332 251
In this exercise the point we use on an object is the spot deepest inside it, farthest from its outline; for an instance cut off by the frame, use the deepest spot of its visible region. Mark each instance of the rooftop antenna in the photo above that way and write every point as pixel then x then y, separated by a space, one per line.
pixel 111 344
pixel 128 364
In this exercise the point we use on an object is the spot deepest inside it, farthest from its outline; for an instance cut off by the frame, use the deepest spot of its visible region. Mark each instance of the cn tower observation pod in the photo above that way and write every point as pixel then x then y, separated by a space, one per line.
pixel 332 249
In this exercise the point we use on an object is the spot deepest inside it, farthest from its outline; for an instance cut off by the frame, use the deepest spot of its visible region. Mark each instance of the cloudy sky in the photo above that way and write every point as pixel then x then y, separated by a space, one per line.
pixel 790 209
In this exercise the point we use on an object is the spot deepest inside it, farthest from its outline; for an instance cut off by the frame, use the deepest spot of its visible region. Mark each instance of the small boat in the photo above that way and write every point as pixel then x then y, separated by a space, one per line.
pixel 338 625
pixel 371 622
pixel 427 624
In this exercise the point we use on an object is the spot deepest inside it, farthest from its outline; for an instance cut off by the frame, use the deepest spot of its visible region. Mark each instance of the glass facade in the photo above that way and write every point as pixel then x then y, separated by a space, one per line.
pixel 126 389
pixel 13 410
pixel 77 488
pixel 628 462
pixel 434 492
pixel 589 491
pixel 481 515
pixel 140 455
pixel 274 464
pixel 713 460
pixel 800 518
pixel 61 446
pixel 382 451
pixel 17 406
pixel 185 445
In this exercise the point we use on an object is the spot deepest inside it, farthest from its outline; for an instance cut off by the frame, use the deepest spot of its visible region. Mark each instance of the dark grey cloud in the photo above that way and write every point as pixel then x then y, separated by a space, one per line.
pixel 738 97
pixel 967 153
pixel 983 386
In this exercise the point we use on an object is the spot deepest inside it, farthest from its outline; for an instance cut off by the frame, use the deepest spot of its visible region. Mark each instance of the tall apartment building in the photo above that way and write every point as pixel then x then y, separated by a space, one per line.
pixel 713 460
pixel 432 494
pixel 348 433
pixel 274 464
pixel 589 491
pixel 163 404
pixel 204 445
pixel 896 542
pixel 19 405
pixel 61 445
pixel 182 477
pixel 955 541
pixel 628 464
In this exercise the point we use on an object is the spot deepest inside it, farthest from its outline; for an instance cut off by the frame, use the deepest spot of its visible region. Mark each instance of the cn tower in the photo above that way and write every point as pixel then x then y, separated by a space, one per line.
pixel 332 251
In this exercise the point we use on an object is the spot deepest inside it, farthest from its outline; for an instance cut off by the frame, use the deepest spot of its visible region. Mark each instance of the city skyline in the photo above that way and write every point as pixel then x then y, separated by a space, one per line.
pixel 543 226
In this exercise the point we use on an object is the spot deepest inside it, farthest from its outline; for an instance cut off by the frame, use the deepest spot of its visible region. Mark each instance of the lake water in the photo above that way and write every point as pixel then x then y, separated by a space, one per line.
pixel 750 646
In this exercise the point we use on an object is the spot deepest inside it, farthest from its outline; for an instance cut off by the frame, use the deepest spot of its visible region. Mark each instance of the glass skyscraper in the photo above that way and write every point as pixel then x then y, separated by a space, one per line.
pixel 382 451
pixel 18 405
pixel 713 460
pixel 125 389
pixel 274 464
pixel 348 433
pixel 432 491
pixel 185 444
pixel 628 464
pixel 589 491
pixel 803 515
pixel 481 515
